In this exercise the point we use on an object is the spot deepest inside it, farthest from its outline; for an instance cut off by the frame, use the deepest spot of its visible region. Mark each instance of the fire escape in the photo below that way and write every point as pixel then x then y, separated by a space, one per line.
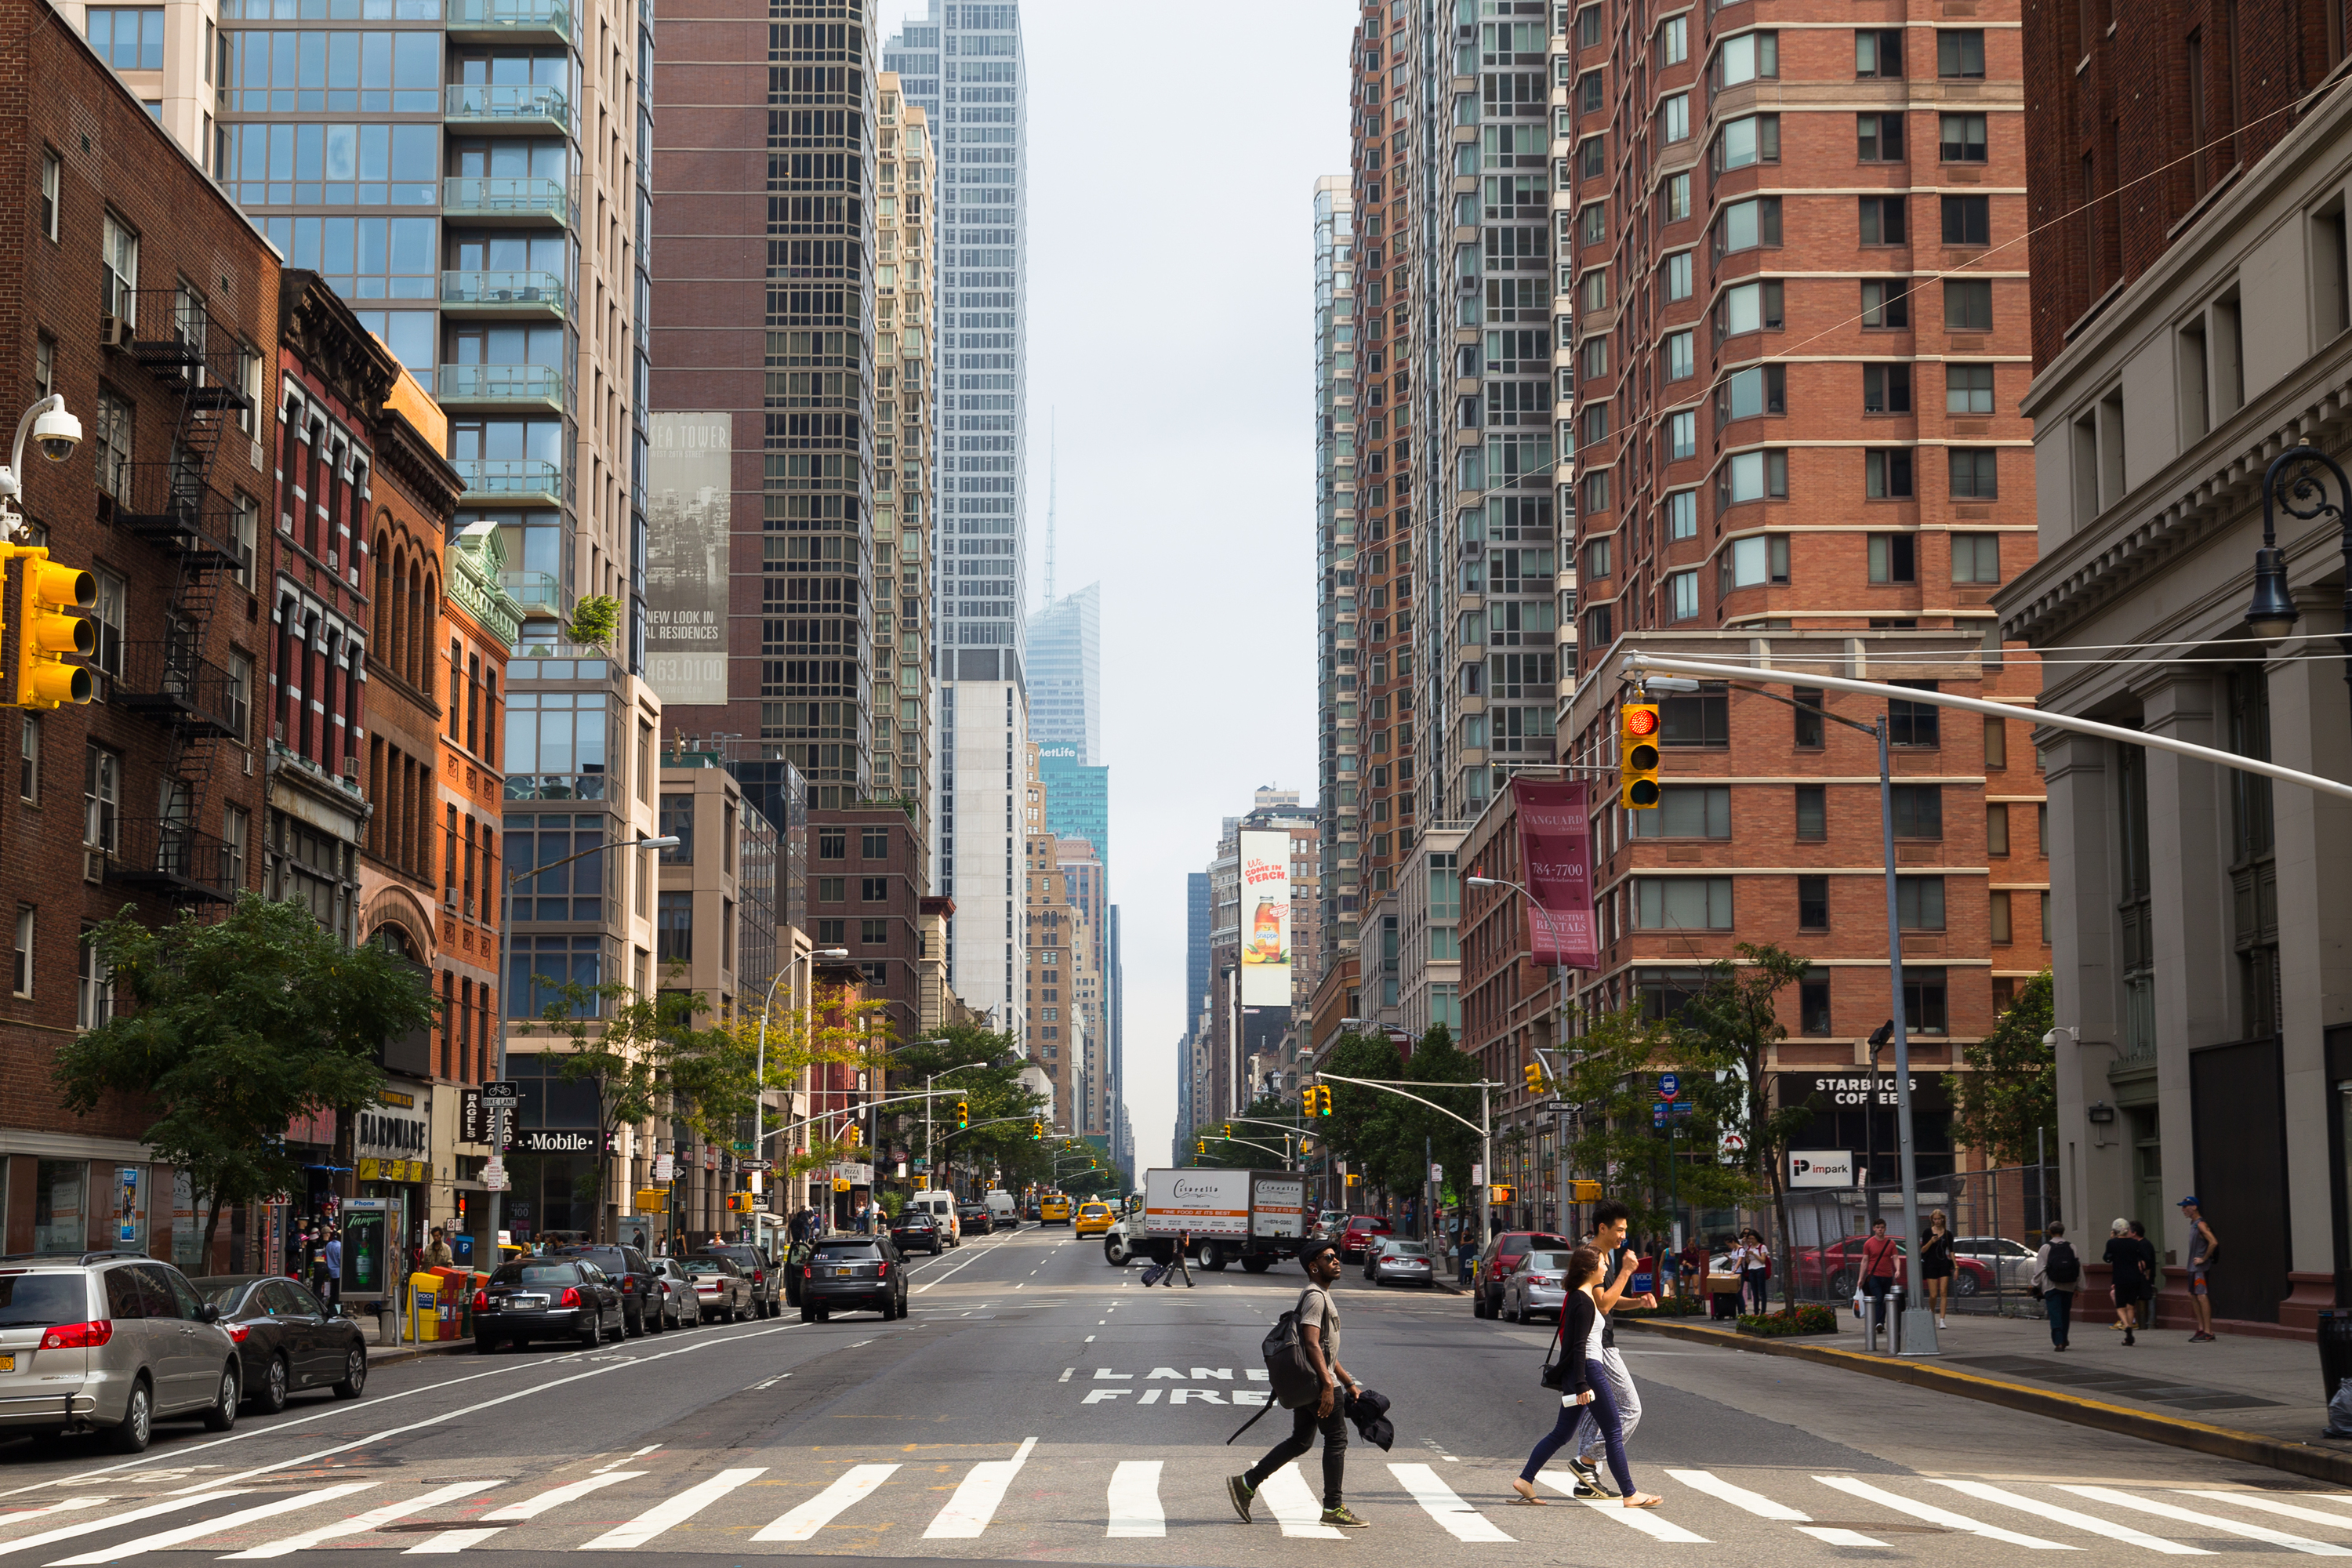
pixel 199 366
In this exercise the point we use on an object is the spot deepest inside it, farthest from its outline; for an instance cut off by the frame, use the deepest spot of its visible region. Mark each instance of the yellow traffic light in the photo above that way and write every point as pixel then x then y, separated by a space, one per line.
pixel 1500 1195
pixel 1037 1130
pixel 1201 1147
pixel 1229 1128
pixel 1584 1192
pixel 44 636
pixel 1323 1099
pixel 1353 1179
pixel 1637 756
pixel 1535 1078
pixel 963 1114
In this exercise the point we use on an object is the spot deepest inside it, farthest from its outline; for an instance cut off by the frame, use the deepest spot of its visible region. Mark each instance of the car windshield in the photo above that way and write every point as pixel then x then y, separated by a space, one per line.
pixel 1547 1260
pixel 536 1274
pixel 227 1297
pixel 914 1222
pixel 36 1300
pixel 1407 1249
pixel 706 1266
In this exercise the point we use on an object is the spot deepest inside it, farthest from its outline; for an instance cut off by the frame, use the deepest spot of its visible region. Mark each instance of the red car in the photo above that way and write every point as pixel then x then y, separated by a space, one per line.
pixel 1356 1233
pixel 1834 1270
pixel 1503 1255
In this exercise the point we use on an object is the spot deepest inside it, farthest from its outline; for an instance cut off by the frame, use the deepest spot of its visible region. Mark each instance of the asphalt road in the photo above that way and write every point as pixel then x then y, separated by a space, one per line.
pixel 1039 1403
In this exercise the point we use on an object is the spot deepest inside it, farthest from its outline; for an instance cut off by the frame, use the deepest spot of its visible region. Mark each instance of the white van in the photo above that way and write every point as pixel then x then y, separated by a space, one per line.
pixel 942 1207
pixel 1004 1211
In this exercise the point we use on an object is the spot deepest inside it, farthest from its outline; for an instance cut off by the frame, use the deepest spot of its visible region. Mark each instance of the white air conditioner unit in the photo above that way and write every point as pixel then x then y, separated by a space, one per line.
pixel 278 731
pixel 113 333
pixel 248 765
pixel 334 560
pixel 93 863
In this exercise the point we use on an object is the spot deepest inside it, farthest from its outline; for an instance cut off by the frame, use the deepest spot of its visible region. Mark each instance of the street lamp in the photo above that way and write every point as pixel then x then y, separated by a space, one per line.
pixel 2292 481
pixel 760 1098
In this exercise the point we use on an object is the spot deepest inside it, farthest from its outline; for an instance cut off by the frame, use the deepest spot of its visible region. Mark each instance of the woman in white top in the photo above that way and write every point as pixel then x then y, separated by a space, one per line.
pixel 1585 1381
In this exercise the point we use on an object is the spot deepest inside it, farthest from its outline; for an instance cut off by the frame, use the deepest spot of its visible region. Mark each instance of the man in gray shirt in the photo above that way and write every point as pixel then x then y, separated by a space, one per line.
pixel 1318 1333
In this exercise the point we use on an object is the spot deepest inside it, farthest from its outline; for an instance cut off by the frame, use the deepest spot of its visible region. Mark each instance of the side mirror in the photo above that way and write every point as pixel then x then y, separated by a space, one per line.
pixel 207 1313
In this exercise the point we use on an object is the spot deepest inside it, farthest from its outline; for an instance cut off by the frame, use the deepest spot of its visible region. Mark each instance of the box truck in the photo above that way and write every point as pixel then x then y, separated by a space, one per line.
pixel 1252 1217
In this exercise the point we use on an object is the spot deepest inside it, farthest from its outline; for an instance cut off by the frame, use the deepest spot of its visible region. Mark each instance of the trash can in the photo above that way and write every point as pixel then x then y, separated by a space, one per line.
pixel 2334 1351
pixel 424 1305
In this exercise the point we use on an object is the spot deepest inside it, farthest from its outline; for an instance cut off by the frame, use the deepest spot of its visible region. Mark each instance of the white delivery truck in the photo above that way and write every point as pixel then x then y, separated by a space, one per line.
pixel 1254 1217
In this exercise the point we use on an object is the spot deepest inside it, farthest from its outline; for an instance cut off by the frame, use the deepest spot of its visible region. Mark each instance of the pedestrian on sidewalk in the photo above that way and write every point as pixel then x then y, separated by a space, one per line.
pixel 2202 1245
pixel 2131 1264
pixel 1754 1265
pixel 1882 1257
pixel 1587 1392
pixel 2056 1272
pixel 327 1284
pixel 1611 1219
pixel 1689 1266
pixel 1936 1263
pixel 436 1252
pixel 1318 1336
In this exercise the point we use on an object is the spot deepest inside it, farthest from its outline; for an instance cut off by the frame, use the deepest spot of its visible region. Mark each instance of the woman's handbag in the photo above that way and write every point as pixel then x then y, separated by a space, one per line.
pixel 1555 1373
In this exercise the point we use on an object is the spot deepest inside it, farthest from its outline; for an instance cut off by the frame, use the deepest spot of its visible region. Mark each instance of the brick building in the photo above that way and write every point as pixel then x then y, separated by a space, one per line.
pixel 140 295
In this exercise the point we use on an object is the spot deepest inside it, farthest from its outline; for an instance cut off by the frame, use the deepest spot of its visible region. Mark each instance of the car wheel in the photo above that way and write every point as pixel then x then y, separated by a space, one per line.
pixel 1840 1286
pixel 130 1435
pixel 484 1345
pixel 825 1314
pixel 221 1414
pixel 808 1314
pixel 356 1369
pixel 1965 1284
pixel 277 1385
pixel 593 1336
pixel 632 1328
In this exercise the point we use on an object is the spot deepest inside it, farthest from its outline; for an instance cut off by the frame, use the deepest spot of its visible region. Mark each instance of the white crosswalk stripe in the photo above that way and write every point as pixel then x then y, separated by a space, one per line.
pixel 1134 1501
pixel 803 1521
pixel 967 1513
pixel 2211 1521
pixel 182 1535
pixel 2057 1514
pixel 1929 1513
pixel 361 1523
pixel 1646 1520
pixel 1295 1507
pixel 1837 1535
pixel 2272 1505
pixel 1441 1503
pixel 92 1526
pixel 675 1511
pixel 1738 1497
pixel 450 1540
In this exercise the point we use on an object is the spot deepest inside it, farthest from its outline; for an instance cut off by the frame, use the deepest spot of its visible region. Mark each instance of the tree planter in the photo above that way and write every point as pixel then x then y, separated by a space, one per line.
pixel 1810 1319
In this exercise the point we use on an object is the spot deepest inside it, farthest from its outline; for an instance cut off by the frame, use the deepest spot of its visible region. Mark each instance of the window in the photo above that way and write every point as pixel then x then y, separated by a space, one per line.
pixel 1886 476
pixel 1810 732
pixel 832 889
pixel 1679 276
pixel 51 168
pixel 237 830
pixel 1677 188
pixel 1681 591
pixel 1886 302
pixel 832 934
pixel 118 255
pixel 1976 473
pixel 1752 138
pixel 1747 393
pixel 1594 426
pixel 1747 56
pixel 1673 36
pixel 101 796
pixel 94 998
pixel 1595 223
pixel 1701 718
pixel 1998 909
pixel 239 692
pixel 1749 308
pixel 1976 558
pixel 1911 723
pixel 1924 998
pixel 1813 811
pixel 1878 138
pixel 1681 360
pixel 1682 903
pixel 1812 901
pixel 1882 220
pixel 1967 220
pixel 1960 52
pixel 128 37
pixel 1967 304
pixel 1682 515
pixel 1681 435
pixel 28 758
pixel 1878 52
pixel 833 843
pixel 1595 354
pixel 1968 389
pixel 1597 554
pixel 1920 903
pixel 873 889
pixel 1592 157
pixel 674 929
pixel 1595 488
pixel 111 446
pixel 873 934
pixel 1886 389
pixel 1688 811
pixel 1674 119
pixel 1752 476
pixel 1744 226
pixel 24 971
pixel 1893 558
pixel 1588 94
pixel 1814 1002
pixel 1918 810
pixel 1997 830
pixel 573 892
pixel 1961 137
pixel 45 364
pixel 1995 744
pixel 676 819
pixel 1755 560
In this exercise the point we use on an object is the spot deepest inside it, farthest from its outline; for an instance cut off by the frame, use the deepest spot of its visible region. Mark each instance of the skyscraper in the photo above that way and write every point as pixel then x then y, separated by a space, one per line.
pixel 1338 700
pixel 1065 673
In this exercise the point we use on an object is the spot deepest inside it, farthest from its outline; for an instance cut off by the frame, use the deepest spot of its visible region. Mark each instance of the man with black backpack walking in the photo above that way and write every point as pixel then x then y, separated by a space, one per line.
pixel 2056 1274
pixel 1318 1335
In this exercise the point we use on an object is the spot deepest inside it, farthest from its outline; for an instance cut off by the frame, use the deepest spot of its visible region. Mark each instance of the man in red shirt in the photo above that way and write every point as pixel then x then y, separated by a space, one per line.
pixel 1881 1262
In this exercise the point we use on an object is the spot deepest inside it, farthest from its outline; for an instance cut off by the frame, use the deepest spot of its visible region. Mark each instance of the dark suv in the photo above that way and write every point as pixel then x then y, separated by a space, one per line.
pixel 633 1277
pixel 853 1273
pixel 916 1231
pixel 767 1280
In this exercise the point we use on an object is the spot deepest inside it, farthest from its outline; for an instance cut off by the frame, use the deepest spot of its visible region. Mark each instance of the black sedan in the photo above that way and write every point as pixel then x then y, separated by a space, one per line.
pixel 285 1341
pixel 531 1299
pixel 851 1274
pixel 633 1275
pixel 915 1231
pixel 976 1219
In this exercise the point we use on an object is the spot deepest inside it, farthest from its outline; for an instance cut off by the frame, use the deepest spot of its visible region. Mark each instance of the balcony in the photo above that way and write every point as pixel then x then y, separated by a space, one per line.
pixel 169 682
pixel 497 20
pixel 533 589
pixel 537 387
pixel 507 106
pixel 505 199
pixel 166 856
pixel 504 293
pixel 505 480
pixel 169 505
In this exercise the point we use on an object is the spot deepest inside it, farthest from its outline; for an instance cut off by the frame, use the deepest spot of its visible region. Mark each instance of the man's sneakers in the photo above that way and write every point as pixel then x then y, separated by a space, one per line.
pixel 1341 1516
pixel 1242 1494
pixel 1589 1483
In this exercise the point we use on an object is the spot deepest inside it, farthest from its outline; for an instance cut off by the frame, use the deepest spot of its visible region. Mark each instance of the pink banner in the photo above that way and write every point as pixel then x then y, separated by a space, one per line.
pixel 1555 849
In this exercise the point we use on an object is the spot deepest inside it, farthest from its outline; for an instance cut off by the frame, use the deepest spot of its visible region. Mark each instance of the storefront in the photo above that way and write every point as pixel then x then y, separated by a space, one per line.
pixel 392 1148
pixel 1856 1111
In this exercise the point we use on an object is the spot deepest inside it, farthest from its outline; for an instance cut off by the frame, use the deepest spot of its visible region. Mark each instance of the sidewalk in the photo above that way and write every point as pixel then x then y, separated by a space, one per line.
pixel 2240 1397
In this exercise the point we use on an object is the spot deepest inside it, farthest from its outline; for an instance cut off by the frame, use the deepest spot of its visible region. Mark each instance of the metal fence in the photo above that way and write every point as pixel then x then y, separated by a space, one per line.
pixel 1998 1219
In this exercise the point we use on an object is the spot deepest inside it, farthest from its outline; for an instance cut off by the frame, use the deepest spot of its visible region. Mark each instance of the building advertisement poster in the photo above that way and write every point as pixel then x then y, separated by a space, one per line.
pixel 1556 847
pixel 1265 918
pixel 688 522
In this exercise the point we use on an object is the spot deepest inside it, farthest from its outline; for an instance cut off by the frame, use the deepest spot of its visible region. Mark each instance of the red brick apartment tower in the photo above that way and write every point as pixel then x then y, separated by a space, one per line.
pixel 134 290
pixel 1800 283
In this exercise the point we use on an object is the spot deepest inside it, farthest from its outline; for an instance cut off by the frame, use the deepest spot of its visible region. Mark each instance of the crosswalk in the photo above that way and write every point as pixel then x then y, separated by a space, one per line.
pixel 803 1500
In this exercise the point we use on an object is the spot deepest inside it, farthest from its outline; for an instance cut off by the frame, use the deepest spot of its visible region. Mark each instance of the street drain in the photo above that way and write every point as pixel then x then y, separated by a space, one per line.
pixel 1872 1527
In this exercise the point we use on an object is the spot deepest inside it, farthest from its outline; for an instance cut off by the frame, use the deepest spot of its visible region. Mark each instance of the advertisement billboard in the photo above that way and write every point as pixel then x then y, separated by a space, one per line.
pixel 1556 848
pixel 1265 918
pixel 688 520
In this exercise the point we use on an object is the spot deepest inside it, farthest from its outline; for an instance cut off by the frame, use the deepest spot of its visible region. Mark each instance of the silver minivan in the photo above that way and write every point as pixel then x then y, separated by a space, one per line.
pixel 112 1341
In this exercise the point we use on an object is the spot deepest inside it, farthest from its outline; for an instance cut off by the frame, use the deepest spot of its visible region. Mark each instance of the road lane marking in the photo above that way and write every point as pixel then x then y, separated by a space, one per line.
pixel 1930 1513
pixel 90 1526
pixel 2266 1505
pixel 674 1510
pixel 556 1497
pixel 227 1521
pixel 450 1540
pixel 2055 1514
pixel 967 1513
pixel 1135 1509
pixel 361 1523
pixel 616 1464
pixel 1834 1536
pixel 804 1519
pixel 1150 1396
pixel 1065 1375
pixel 2211 1520
pixel 1738 1497
pixel 1286 1493
pixel 1444 1505
pixel 1645 1519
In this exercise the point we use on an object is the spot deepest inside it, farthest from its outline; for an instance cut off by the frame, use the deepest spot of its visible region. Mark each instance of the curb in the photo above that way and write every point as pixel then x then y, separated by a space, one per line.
pixel 394 1354
pixel 2222 1442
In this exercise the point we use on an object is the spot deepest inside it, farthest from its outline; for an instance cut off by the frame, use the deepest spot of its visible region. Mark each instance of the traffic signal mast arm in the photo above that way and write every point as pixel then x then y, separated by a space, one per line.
pixel 1246 1143
pixel 870 1105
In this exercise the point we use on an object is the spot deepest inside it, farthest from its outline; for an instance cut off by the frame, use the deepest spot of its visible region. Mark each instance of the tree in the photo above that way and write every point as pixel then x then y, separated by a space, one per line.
pixel 619 1040
pixel 1727 1038
pixel 1417 1130
pixel 1610 1080
pixel 1362 1126
pixel 987 1065
pixel 832 1031
pixel 2010 1092
pixel 229 1031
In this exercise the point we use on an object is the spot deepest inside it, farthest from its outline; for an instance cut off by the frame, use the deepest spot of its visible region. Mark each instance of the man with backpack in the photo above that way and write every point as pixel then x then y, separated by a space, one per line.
pixel 2057 1273
pixel 1318 1336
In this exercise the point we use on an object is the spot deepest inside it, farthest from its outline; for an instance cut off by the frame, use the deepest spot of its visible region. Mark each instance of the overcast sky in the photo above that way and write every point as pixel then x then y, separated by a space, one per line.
pixel 1173 158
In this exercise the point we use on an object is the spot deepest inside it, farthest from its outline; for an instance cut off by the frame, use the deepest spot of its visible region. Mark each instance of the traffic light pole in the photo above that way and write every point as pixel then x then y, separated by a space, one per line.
pixel 1484 1127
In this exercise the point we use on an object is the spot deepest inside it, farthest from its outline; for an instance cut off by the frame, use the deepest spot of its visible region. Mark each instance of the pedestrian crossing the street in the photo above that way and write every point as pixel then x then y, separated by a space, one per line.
pixel 803 1501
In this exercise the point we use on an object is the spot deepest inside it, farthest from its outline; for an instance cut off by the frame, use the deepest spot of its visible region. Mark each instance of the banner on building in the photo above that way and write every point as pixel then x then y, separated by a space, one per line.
pixel 1265 918
pixel 688 520
pixel 1556 848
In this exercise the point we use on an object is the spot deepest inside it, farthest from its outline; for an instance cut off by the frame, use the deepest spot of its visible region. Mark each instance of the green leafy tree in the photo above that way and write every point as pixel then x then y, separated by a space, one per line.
pixel 1362 1126
pixel 595 621
pixel 1416 1130
pixel 1611 1080
pixel 2010 1092
pixel 229 1031
pixel 986 1065
pixel 623 1043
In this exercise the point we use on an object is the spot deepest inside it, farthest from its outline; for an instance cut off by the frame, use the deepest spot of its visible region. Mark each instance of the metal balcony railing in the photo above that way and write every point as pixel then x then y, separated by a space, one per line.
pixel 509 17
pixel 169 504
pixel 513 477
pixel 508 196
pixel 535 384
pixel 168 682
pixel 166 855
pixel 505 103
pixel 514 291
pixel 533 589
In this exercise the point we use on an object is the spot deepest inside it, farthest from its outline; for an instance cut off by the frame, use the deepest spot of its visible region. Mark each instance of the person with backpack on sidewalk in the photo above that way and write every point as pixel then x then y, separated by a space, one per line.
pixel 2202 1245
pixel 1318 1335
pixel 2056 1273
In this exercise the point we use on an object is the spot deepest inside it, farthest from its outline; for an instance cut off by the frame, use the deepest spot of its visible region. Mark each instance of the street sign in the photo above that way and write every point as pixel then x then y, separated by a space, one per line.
pixel 1658 1112
pixel 665 1167
pixel 494 1175
pixel 755 1164
pixel 503 1094
pixel 1669 1085
pixel 740 1146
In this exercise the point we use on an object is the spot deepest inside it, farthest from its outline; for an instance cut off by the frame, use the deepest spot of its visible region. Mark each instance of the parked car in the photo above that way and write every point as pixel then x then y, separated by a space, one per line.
pixel 632 1276
pixel 681 1305
pixel 1328 1225
pixel 546 1299
pixel 719 1287
pixel 1503 1255
pixel 1034 1213
pixel 853 1273
pixel 112 1341
pixel 975 1219
pixel 2011 1261
pixel 1835 1270
pixel 767 1281
pixel 286 1340
pixel 1536 1288
pixel 1094 1219
pixel 916 1233
pixel 1358 1232
pixel 1396 1260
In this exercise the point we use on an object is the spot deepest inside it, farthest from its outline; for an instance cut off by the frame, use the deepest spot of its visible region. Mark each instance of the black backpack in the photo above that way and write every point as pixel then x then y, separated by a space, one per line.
pixel 2063 1268
pixel 1287 1374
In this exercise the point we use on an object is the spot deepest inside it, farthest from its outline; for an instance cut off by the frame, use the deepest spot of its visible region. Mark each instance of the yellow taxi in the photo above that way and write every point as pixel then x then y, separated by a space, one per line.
pixel 1094 1219
pixel 1055 1210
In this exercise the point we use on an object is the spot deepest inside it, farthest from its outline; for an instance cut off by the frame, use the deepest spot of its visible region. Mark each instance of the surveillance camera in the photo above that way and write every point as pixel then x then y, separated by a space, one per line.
pixel 56 433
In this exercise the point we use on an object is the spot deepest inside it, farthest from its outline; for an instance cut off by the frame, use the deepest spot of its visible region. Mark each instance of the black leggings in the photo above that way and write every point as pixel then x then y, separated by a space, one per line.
pixel 1613 1428
pixel 1303 1424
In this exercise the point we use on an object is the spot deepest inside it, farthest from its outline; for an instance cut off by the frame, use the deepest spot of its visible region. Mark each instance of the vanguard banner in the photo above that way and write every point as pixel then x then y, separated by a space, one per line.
pixel 1556 847
pixel 1265 918
pixel 687 527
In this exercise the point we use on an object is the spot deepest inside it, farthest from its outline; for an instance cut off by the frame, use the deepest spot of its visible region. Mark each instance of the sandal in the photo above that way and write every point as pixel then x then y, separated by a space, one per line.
pixel 1644 1500
pixel 1527 1494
